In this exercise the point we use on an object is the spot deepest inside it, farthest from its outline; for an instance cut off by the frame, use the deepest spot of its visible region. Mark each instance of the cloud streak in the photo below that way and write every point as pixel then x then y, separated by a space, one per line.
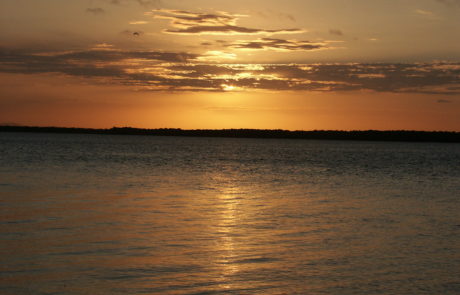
pixel 173 71
pixel 449 2
pixel 424 12
pixel 270 14
pixel 277 44
pixel 95 11
pixel 145 3
pixel 219 23
pixel 336 32
pixel 130 33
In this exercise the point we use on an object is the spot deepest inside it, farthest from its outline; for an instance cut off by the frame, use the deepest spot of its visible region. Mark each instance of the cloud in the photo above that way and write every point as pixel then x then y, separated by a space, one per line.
pixel 175 71
pixel 336 32
pixel 444 101
pixel 130 33
pixel 219 23
pixel 270 14
pixel 138 22
pixel 424 12
pixel 449 2
pixel 215 55
pixel 277 44
pixel 145 3
pixel 101 61
pixel 103 46
pixel 96 10
pixel 229 30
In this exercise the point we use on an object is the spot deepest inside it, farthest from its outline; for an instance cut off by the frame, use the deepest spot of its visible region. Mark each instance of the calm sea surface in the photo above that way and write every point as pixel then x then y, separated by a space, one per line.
pixel 101 214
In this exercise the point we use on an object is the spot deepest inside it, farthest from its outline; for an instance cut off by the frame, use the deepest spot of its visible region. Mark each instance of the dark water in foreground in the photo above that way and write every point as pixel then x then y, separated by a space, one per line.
pixel 96 214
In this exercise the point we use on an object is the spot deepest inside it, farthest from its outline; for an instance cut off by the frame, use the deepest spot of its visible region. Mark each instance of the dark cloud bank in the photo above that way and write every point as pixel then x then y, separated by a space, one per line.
pixel 276 44
pixel 175 71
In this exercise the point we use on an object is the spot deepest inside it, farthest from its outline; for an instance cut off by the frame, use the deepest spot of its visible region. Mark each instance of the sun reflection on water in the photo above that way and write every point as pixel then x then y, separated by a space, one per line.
pixel 229 206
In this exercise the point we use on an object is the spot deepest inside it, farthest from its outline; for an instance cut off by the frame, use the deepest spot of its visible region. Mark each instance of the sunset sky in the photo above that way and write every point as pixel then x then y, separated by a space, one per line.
pixel 269 64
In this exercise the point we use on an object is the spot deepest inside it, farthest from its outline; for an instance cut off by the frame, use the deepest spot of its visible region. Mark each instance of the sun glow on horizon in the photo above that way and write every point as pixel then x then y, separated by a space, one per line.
pixel 226 87
pixel 215 64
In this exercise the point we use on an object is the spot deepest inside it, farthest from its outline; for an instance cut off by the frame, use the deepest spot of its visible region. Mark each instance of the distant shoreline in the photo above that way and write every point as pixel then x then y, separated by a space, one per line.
pixel 364 135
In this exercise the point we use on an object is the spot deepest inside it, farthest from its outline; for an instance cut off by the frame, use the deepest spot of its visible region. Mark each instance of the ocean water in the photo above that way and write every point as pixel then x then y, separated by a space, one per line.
pixel 102 214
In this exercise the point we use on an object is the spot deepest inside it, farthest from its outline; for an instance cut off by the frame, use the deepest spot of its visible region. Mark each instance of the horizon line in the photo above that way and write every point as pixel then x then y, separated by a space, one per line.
pixel 359 135
pixel 224 129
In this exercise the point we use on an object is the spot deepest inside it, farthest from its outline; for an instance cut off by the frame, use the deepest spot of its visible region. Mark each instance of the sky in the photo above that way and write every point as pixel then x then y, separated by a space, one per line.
pixel 211 64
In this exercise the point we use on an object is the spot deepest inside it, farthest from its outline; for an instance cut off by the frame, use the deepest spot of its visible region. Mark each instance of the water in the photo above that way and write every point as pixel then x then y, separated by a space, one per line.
pixel 100 214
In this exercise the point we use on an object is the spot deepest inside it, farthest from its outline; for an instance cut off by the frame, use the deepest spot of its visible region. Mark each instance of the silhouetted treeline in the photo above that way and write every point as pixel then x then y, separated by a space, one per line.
pixel 373 135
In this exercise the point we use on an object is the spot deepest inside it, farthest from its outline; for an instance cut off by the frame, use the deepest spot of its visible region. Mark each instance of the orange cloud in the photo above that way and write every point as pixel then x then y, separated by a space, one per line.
pixel 173 71
pixel 219 23
pixel 277 44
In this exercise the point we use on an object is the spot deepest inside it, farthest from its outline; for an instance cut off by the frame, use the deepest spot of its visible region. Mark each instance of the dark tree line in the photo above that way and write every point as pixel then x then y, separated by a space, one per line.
pixel 372 135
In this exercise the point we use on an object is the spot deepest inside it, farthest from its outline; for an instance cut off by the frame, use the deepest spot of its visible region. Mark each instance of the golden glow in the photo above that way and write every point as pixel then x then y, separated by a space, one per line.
pixel 138 22
pixel 215 55
pixel 108 106
pixel 183 64
pixel 226 87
